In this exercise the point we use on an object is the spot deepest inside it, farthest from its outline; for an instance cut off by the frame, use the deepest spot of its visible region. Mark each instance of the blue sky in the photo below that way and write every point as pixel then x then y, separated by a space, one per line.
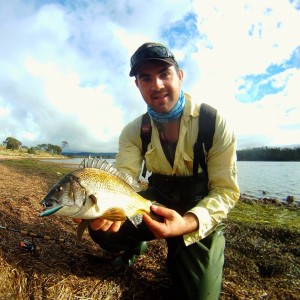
pixel 65 64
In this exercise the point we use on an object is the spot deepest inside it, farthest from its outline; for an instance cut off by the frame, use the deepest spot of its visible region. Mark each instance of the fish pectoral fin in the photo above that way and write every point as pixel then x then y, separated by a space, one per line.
pixel 94 200
pixel 114 214
pixel 81 228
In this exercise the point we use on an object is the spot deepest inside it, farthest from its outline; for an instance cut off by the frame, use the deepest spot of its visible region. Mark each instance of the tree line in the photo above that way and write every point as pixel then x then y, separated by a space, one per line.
pixel 269 154
pixel 249 154
pixel 14 144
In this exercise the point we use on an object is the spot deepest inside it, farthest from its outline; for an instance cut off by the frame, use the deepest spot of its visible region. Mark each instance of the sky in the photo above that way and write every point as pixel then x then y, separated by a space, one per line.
pixel 64 67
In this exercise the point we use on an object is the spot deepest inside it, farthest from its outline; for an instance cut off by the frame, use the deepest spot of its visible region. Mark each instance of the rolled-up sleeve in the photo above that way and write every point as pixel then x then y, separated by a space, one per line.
pixel 223 186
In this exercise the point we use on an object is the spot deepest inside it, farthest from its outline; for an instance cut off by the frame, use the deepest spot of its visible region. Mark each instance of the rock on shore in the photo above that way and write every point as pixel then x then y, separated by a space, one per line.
pixel 289 202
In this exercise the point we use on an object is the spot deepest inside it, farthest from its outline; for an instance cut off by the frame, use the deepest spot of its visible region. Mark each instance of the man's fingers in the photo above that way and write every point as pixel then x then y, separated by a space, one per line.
pixel 77 220
pixel 147 219
pixel 105 225
pixel 162 211
pixel 115 226
pixel 156 227
pixel 97 223
pixel 172 225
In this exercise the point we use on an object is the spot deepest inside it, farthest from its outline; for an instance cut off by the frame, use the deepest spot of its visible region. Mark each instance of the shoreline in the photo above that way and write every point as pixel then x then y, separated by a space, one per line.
pixel 31 156
pixel 289 202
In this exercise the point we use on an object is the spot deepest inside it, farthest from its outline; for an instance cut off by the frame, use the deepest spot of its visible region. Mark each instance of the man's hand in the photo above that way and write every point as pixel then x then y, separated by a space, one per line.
pixel 174 224
pixel 103 224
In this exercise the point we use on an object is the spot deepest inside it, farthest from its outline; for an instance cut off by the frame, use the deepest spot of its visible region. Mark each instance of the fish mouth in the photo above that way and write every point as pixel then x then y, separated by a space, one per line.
pixel 50 211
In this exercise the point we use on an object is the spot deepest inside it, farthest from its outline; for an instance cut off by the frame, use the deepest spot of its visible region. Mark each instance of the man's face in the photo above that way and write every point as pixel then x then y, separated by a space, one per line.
pixel 159 84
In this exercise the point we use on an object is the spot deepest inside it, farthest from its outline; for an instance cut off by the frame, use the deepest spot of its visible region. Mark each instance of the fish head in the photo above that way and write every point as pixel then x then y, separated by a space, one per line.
pixel 65 198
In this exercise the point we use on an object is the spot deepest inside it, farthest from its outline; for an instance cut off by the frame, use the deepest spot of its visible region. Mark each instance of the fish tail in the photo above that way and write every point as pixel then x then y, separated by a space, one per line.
pixel 136 219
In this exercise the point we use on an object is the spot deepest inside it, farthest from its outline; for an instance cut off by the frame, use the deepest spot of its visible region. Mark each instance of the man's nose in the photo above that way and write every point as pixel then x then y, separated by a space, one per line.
pixel 157 84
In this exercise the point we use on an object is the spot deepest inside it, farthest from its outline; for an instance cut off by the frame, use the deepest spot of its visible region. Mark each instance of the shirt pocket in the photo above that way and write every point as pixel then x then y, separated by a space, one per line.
pixel 188 163
pixel 156 162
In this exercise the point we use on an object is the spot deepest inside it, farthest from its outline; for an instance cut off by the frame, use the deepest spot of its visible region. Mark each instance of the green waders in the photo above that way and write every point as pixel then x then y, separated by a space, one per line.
pixel 196 270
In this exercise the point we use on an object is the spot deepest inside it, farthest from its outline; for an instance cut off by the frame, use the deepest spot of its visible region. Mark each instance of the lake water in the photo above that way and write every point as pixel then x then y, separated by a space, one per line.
pixel 257 178
pixel 276 179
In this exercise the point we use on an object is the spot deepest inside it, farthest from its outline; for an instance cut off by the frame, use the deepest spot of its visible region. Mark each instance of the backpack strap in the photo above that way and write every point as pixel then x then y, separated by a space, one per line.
pixel 146 130
pixel 207 124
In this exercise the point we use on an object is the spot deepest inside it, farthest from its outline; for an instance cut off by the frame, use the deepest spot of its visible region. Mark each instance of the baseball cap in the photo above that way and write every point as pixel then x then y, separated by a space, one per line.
pixel 150 51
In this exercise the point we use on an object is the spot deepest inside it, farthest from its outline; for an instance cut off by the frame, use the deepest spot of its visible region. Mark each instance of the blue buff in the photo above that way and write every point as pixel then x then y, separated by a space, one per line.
pixel 173 114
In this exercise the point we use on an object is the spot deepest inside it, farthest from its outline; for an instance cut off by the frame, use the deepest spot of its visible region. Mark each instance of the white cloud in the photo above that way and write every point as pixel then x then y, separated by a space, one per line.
pixel 64 67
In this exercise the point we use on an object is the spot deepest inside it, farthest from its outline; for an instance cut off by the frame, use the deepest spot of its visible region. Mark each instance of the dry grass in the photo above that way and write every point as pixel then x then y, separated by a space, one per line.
pixel 261 262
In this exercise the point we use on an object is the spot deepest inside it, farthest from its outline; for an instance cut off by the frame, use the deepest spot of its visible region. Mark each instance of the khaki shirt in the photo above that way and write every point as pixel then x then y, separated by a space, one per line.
pixel 221 165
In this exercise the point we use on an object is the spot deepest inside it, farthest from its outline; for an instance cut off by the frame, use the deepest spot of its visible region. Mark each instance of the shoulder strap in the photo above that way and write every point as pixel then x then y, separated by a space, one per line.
pixel 146 130
pixel 207 123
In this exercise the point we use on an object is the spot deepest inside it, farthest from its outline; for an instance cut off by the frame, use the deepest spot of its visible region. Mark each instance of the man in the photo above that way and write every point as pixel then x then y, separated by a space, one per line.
pixel 193 207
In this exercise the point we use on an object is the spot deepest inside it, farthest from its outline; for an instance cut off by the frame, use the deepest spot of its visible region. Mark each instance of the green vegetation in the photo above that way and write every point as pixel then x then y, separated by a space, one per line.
pixel 33 166
pixel 28 152
pixel 260 215
pixel 269 154
pixel 64 144
pixel 53 149
pixel 13 144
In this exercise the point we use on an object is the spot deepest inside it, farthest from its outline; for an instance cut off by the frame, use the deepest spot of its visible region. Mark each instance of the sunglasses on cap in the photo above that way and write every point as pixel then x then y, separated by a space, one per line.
pixel 158 52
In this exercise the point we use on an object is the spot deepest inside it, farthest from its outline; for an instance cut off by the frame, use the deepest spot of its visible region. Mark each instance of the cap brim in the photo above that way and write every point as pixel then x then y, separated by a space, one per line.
pixel 167 60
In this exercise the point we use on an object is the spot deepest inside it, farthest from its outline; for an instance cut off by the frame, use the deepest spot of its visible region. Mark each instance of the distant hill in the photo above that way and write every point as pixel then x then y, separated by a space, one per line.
pixel 86 154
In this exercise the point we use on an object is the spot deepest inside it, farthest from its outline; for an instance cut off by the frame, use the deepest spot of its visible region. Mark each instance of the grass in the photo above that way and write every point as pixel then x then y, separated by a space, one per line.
pixel 23 152
pixel 262 249
pixel 276 217
pixel 33 166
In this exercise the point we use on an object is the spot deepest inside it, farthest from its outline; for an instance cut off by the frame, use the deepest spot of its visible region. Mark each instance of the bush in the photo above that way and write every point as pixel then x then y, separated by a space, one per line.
pixel 31 150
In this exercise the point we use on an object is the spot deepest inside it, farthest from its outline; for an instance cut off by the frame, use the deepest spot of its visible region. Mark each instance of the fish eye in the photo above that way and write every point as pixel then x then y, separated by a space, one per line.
pixel 59 188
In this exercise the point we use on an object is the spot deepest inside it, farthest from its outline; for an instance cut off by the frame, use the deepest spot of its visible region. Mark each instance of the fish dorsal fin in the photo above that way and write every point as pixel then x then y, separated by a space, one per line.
pixel 98 163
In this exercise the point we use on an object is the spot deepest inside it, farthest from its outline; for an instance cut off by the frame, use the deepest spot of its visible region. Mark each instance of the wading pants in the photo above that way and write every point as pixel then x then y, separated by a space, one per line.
pixel 196 270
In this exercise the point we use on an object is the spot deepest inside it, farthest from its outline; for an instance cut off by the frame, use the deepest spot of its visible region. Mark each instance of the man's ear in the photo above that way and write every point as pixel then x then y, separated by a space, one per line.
pixel 180 75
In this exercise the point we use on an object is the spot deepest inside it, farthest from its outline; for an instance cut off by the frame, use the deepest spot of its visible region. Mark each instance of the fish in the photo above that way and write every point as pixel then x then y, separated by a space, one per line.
pixel 97 190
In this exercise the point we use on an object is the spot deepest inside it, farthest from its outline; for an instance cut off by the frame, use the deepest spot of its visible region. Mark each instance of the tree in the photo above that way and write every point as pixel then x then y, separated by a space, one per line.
pixel 54 149
pixel 269 154
pixel 65 144
pixel 42 147
pixel 12 143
